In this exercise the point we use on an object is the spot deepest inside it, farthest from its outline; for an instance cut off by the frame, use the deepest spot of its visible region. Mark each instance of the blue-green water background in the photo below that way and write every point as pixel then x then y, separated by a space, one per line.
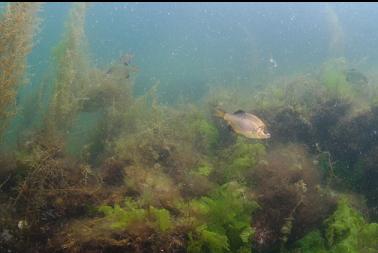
pixel 189 47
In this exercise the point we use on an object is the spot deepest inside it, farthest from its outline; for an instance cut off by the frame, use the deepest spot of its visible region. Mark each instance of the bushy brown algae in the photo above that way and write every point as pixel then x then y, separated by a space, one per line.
pixel 18 26
pixel 288 189
pixel 156 178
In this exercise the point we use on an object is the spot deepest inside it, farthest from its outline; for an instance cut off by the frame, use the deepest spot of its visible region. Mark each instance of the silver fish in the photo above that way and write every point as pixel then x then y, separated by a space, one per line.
pixel 244 123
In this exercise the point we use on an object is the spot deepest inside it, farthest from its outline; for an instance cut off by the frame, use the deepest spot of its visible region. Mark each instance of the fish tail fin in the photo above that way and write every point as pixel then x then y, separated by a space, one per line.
pixel 218 112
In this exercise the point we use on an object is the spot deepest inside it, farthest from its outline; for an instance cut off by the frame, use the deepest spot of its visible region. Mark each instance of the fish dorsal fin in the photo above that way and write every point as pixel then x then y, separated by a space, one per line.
pixel 239 112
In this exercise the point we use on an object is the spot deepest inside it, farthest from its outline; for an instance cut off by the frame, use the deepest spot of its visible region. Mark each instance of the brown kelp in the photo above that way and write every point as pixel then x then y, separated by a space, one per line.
pixel 110 171
pixel 18 25
pixel 288 189
pixel 72 65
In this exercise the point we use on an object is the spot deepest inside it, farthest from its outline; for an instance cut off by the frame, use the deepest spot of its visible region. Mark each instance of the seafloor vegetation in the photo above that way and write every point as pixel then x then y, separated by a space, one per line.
pixel 105 171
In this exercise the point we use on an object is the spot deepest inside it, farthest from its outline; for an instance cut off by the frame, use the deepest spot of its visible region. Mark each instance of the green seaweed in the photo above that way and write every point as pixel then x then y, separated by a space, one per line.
pixel 225 218
pixel 344 223
pixel 345 231
pixel 121 218
pixel 368 237
pixel 162 218
pixel 334 78
pixel 313 242
pixel 207 241
pixel 242 157
pixel 207 134
pixel 203 170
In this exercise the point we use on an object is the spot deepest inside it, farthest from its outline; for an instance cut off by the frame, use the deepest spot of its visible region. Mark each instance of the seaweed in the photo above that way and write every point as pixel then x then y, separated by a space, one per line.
pixel 290 125
pixel 129 226
pixel 344 231
pixel 351 142
pixel 203 170
pixel 367 181
pixel 46 187
pixel 241 158
pixel 207 241
pixel 18 26
pixel 224 219
pixel 313 242
pixel 72 72
pixel 112 172
pixel 334 78
pixel 152 185
pixel 124 218
pixel 207 133
pixel 345 222
pixel 292 203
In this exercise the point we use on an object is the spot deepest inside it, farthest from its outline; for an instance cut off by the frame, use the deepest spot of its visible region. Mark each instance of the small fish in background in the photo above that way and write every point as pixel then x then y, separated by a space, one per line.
pixel 244 123
pixel 124 61
pixel 355 77
pixel 22 224
pixel 273 62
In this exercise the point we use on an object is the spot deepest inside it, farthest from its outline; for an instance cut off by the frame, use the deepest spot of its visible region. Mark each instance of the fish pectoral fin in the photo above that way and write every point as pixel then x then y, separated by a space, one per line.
pixel 239 112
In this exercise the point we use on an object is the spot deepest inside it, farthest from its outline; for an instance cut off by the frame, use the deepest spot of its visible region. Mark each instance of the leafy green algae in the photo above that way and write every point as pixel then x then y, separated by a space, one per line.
pixel 225 221
pixel 121 218
pixel 345 231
